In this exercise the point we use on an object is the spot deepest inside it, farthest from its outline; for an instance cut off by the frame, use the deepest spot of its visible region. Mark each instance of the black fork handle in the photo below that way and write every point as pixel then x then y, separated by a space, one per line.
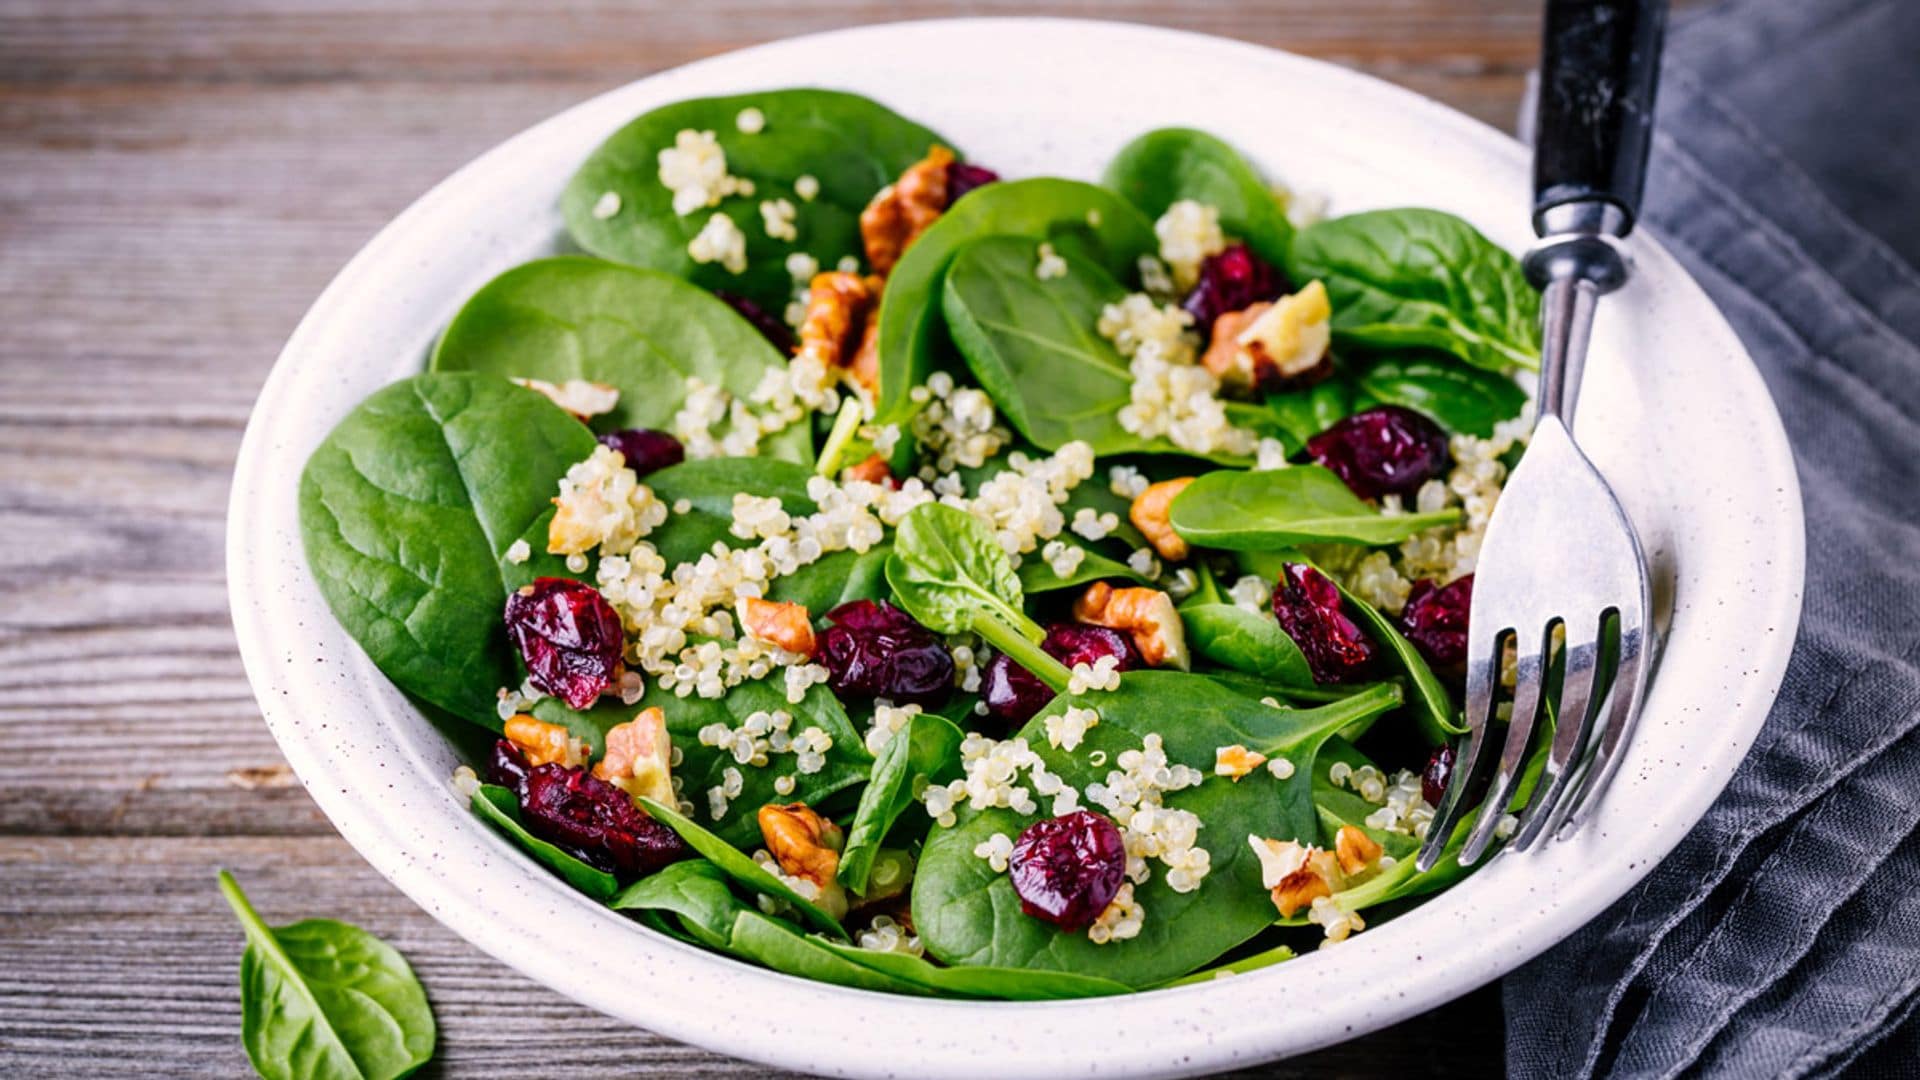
pixel 1600 61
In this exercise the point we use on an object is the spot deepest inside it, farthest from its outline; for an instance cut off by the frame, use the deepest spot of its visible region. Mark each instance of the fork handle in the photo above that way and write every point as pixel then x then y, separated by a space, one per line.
pixel 1600 60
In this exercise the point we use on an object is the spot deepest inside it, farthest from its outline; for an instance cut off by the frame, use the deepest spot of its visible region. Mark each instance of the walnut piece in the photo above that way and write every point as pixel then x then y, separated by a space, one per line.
pixel 1146 614
pixel 902 210
pixel 807 846
pixel 637 756
pixel 1151 512
pixel 777 622
pixel 545 744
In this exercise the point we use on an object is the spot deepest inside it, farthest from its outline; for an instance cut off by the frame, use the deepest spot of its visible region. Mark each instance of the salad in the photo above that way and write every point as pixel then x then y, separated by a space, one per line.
pixel 889 573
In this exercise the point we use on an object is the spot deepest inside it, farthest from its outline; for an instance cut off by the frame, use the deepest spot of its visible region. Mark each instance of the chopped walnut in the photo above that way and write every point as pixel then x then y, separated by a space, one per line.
pixel 787 625
pixel 1355 850
pixel 1224 357
pixel 807 846
pixel 864 368
pixel 1146 614
pixel 1151 512
pixel 839 329
pixel 545 744
pixel 902 210
pixel 1296 874
pixel 1236 761
pixel 583 399
pixel 874 470
pixel 1289 339
pixel 637 756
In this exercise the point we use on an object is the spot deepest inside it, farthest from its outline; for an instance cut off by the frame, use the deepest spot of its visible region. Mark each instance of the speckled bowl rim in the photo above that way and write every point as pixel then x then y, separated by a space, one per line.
pixel 1729 554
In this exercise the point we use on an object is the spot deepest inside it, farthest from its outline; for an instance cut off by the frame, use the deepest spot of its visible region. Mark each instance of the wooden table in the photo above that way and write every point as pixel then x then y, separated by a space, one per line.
pixel 178 180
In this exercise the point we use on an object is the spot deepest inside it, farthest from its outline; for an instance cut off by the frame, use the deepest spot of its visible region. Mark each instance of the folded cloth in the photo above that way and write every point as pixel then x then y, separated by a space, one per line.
pixel 1782 937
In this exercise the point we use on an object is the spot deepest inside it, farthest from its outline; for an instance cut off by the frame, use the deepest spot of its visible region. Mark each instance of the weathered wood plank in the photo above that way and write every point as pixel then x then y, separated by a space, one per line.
pixel 140 965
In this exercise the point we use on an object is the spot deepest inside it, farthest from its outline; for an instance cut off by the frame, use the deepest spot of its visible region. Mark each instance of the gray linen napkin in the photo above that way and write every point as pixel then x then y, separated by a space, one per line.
pixel 1782 937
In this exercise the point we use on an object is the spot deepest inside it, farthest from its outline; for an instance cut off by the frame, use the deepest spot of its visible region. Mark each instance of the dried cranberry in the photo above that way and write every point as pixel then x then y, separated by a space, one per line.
pixel 1014 694
pixel 1230 281
pixel 1435 620
pixel 597 822
pixel 646 450
pixel 1433 778
pixel 770 328
pixel 876 650
pixel 962 178
pixel 508 767
pixel 1386 450
pixel 1066 870
pixel 569 636
pixel 1307 603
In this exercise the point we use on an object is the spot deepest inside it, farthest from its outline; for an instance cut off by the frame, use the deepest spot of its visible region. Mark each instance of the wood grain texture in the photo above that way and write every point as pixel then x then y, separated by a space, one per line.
pixel 178 180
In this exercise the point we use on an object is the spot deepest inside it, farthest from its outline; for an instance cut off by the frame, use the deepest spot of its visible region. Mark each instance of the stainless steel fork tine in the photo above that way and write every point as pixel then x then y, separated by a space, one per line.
pixel 1483 678
pixel 1528 692
pixel 1573 730
pixel 1629 686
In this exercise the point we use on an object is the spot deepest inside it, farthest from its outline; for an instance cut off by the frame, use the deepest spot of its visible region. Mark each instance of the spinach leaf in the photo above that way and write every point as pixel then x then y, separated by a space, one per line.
pixel 709 485
pixel 1422 278
pixel 969 915
pixel 1037 575
pixel 1097 494
pixel 407 511
pixel 1465 400
pixel 1258 960
pixel 321 998
pixel 1302 414
pixel 1340 805
pixel 1078 219
pixel 926 751
pixel 948 572
pixel 1433 707
pixel 851 145
pixel 1034 346
pixel 498 807
pixel 1162 167
pixel 703 767
pixel 1005 984
pixel 695 891
pixel 1276 508
pixel 737 866
pixel 778 945
pixel 835 578
pixel 640 331
pixel 1246 641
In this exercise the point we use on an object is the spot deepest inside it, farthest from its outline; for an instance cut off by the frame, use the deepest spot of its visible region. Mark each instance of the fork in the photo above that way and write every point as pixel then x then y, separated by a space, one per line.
pixel 1559 552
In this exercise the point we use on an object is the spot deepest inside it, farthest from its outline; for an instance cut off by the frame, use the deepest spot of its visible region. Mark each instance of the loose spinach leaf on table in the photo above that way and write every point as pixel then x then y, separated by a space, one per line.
pixel 969 915
pixel 703 767
pixel 1422 278
pixel 641 331
pixel 498 807
pixel 408 510
pixel 1164 166
pixel 320 998
pixel 1006 984
pixel 1078 219
pixel 851 145
pixel 1463 399
pixel 1035 347
pixel 1278 508
pixel 926 751
pixel 738 867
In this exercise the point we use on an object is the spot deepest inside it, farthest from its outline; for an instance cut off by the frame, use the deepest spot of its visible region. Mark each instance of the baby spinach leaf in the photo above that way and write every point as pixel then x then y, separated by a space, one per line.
pixel 498 807
pixel 1465 400
pixel 850 145
pixel 1302 414
pixel 703 767
pixel 947 570
pixel 1162 167
pixel 1097 494
pixel 407 511
pixel 1276 508
pixel 1077 219
pixel 1433 707
pixel 738 867
pixel 926 751
pixel 321 998
pixel 695 891
pixel 640 331
pixel 834 579
pixel 1245 641
pixel 1037 574
pixel 969 915
pixel 709 485
pixel 778 945
pixel 1035 347
pixel 1339 805
pixel 1005 984
pixel 1422 278
pixel 1258 960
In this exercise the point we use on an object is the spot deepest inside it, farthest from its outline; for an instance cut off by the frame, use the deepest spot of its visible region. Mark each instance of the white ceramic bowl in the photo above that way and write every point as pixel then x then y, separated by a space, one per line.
pixel 1673 413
